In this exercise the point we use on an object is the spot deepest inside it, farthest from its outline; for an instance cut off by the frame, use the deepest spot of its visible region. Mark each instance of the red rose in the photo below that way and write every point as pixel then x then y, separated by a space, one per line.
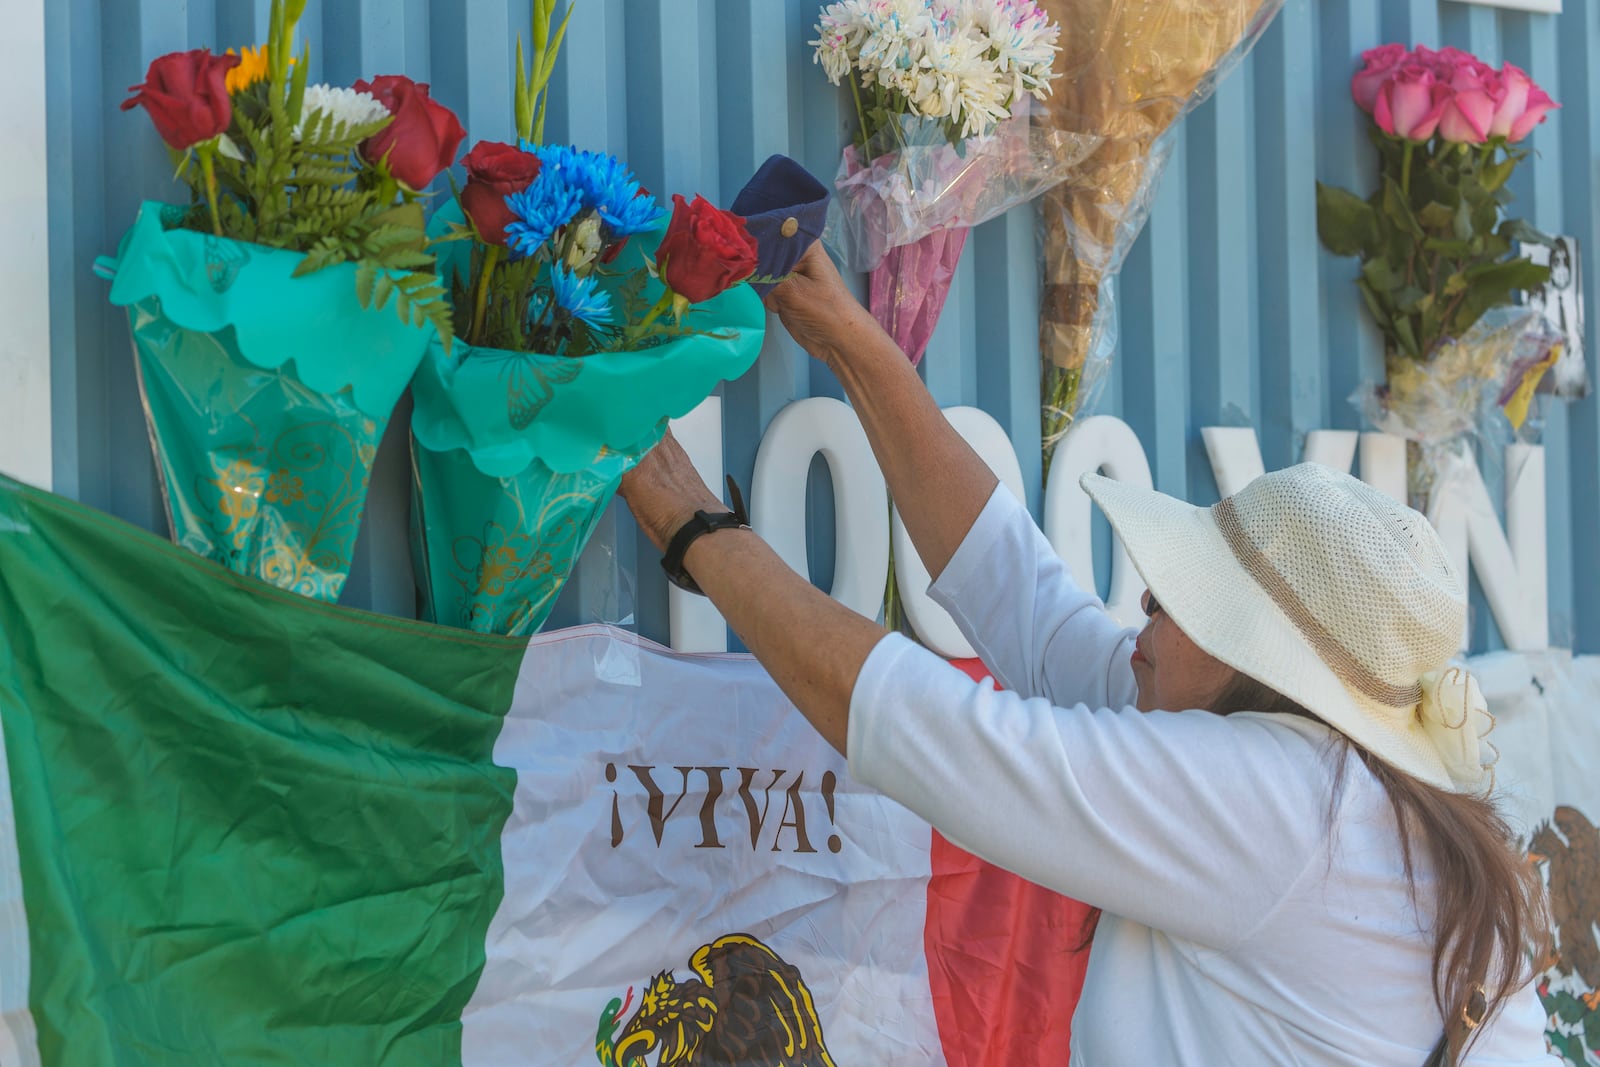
pixel 423 138
pixel 494 172
pixel 705 251
pixel 186 94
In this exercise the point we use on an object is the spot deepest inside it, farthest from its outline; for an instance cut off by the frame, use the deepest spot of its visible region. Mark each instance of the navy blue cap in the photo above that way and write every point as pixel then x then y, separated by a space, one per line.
pixel 785 209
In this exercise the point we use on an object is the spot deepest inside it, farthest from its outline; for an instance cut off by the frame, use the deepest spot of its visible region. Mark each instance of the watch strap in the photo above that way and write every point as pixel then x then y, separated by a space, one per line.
pixel 702 523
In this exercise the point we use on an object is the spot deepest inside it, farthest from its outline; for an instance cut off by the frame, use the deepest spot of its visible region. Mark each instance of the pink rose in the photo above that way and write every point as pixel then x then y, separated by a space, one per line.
pixel 1410 104
pixel 1470 108
pixel 1539 105
pixel 1514 85
pixel 1427 59
pixel 1521 107
pixel 1447 62
pixel 1458 60
pixel 1380 65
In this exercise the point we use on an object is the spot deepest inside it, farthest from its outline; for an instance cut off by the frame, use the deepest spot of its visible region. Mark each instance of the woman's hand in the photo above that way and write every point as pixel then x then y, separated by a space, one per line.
pixel 812 646
pixel 664 491
pixel 937 481
pixel 819 310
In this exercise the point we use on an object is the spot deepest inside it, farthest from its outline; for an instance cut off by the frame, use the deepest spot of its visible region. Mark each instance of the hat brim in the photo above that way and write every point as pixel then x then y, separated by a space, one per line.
pixel 1188 567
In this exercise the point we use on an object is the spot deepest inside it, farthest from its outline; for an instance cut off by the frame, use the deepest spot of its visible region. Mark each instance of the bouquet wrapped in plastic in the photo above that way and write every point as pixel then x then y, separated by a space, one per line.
pixel 266 363
pixel 265 423
pixel 1130 71
pixel 586 322
pixel 516 454
pixel 1467 377
pixel 1440 264
pixel 945 92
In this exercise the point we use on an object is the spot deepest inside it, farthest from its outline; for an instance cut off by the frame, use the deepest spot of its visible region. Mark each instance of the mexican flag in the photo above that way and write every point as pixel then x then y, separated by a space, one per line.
pixel 241 827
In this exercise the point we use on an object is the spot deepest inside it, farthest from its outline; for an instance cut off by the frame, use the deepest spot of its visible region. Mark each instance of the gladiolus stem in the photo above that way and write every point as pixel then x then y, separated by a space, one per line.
pixel 491 260
pixel 208 167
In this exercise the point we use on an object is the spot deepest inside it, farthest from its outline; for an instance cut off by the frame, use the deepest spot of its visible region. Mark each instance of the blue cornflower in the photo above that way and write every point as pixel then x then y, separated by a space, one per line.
pixel 610 189
pixel 541 209
pixel 605 185
pixel 580 297
pixel 631 211
pixel 561 163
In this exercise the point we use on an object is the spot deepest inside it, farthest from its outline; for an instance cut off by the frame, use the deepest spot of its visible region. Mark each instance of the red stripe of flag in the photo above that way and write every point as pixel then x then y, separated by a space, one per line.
pixel 1003 962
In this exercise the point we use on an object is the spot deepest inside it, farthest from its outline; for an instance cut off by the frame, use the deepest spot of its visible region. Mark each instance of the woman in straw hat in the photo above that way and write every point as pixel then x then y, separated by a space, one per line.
pixel 1294 851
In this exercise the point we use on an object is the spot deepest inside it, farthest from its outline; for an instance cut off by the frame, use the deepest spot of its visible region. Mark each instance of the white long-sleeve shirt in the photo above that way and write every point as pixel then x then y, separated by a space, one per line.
pixel 1253 915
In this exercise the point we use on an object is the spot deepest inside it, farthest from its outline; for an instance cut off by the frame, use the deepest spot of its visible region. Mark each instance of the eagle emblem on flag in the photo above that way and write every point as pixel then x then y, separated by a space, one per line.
pixel 744 1005
pixel 1568 846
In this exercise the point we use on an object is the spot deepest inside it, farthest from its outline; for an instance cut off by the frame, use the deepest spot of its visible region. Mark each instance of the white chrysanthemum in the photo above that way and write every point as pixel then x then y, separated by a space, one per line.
pixel 842 28
pixel 347 107
pixel 1022 44
pixel 964 61
pixel 953 80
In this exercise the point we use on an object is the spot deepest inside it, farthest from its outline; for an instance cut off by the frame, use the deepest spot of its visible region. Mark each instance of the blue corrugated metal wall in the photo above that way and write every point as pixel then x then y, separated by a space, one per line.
pixel 1230 313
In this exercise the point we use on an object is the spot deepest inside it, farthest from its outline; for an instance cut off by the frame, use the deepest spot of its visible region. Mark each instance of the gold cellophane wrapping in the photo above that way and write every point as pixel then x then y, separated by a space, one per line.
pixel 1130 69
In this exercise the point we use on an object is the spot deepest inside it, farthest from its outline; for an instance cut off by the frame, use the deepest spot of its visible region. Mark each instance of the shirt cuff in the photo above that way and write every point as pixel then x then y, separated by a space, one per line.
pixel 881 701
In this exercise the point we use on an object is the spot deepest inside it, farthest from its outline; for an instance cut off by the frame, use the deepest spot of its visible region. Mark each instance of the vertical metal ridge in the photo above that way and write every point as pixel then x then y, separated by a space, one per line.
pixel 1293 392
pixel 1228 309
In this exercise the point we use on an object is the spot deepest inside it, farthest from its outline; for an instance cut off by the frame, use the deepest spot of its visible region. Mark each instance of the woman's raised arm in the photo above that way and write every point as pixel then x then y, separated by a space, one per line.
pixel 938 482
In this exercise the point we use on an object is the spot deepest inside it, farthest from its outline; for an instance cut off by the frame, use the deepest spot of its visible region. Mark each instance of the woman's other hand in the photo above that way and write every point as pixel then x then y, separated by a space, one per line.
pixel 819 310
pixel 664 491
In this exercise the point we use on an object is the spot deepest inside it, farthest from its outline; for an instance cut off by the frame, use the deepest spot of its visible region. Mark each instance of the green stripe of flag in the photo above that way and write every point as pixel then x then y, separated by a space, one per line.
pixel 253 829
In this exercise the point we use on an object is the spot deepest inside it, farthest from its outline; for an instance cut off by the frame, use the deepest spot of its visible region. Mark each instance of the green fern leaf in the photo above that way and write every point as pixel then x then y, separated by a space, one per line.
pixel 366 277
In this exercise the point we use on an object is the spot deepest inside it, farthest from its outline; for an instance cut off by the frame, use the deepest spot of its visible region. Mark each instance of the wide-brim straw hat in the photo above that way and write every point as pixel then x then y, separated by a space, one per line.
pixel 1329 592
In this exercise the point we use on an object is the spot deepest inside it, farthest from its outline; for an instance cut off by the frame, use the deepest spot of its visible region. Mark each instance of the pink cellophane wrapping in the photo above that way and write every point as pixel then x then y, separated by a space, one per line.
pixel 903 215
pixel 908 289
pixel 916 182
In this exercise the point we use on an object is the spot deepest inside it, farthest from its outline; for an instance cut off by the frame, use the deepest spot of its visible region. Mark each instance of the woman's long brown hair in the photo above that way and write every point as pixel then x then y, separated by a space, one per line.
pixel 1488 918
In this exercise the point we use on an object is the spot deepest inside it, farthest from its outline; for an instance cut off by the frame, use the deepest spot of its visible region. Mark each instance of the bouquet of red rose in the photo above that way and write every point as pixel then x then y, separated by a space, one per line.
pixel 267 364
pixel 586 321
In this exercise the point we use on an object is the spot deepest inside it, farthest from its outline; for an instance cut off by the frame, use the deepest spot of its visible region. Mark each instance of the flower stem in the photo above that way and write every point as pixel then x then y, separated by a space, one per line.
pixel 208 167
pixel 1060 408
pixel 1405 170
pixel 861 117
pixel 662 306
pixel 491 260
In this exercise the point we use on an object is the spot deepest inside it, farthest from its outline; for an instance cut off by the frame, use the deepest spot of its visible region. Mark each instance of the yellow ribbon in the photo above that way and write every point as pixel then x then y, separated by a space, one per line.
pixel 1516 408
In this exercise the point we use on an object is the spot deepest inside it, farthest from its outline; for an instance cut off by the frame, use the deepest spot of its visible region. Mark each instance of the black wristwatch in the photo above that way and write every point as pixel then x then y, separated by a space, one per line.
pixel 702 523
